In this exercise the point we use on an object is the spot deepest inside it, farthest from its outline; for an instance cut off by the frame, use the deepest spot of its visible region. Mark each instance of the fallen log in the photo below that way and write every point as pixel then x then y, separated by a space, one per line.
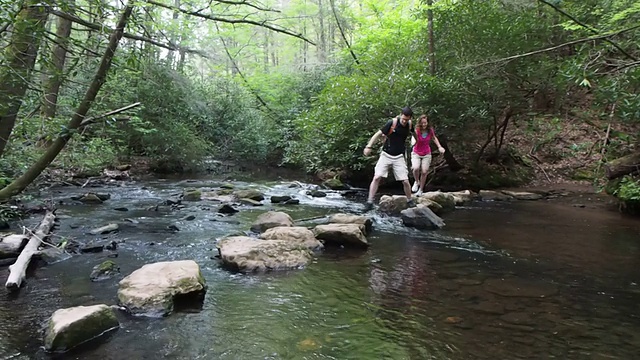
pixel 622 166
pixel 11 245
pixel 18 271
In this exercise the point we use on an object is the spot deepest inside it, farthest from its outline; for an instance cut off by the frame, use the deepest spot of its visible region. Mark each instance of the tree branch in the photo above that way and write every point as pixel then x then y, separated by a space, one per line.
pixel 100 27
pixel 89 120
pixel 588 28
pixel 228 2
pixel 344 37
pixel 579 41
pixel 263 24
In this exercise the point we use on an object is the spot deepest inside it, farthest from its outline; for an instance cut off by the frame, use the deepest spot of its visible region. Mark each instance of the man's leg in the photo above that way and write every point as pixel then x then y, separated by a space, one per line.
pixel 401 173
pixel 381 171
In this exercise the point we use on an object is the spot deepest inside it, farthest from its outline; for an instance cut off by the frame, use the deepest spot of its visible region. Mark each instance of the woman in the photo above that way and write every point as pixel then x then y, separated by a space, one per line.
pixel 421 154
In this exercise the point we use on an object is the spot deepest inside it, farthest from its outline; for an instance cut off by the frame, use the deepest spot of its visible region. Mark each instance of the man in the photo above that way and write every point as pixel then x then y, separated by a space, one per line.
pixel 392 156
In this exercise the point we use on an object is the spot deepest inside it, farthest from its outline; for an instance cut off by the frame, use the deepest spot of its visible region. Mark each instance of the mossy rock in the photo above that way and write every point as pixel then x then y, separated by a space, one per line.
pixel 227 186
pixel 68 328
pixel 106 270
pixel 192 195
pixel 335 184
pixel 252 194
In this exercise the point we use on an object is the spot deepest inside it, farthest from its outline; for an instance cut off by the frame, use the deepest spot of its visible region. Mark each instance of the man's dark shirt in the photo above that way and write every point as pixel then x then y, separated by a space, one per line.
pixel 396 142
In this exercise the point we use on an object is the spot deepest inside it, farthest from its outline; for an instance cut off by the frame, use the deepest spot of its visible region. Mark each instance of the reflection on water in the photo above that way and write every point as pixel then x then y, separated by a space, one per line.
pixel 503 281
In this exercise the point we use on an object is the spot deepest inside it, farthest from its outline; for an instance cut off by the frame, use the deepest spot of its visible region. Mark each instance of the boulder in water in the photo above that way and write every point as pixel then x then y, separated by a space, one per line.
pixel 446 200
pixel 392 205
pixel 421 217
pixel 109 228
pixel 490 195
pixel 349 235
pixel 335 184
pixel 152 289
pixel 280 199
pixel 70 327
pixel 295 234
pixel 246 254
pixel 252 194
pixel 191 195
pixel 352 219
pixel 106 270
pixel 271 219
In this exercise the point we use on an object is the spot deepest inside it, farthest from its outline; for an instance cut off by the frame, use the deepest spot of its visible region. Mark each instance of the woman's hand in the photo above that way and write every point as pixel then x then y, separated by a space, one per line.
pixel 441 150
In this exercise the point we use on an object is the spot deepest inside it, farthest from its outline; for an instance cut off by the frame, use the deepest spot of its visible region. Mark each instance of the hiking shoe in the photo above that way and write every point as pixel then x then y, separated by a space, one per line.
pixel 415 186
pixel 368 206
pixel 411 203
pixel 419 193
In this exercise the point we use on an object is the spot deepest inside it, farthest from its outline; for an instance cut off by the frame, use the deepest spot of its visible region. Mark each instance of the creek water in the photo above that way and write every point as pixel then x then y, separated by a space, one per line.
pixel 503 280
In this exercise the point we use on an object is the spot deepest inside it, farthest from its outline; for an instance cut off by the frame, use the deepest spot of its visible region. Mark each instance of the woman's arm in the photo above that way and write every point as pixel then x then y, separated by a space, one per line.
pixel 440 148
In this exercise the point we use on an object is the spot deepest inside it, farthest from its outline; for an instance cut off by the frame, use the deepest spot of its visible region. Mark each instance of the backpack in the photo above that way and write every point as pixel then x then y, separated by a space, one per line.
pixel 395 123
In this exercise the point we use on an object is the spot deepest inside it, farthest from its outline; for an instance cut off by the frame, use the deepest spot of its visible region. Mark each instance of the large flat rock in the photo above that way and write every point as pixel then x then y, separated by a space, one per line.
pixel 246 254
pixel 70 327
pixel 151 290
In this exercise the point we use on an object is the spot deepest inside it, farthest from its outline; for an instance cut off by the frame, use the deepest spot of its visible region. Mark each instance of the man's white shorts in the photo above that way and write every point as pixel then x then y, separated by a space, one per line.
pixel 398 163
pixel 420 162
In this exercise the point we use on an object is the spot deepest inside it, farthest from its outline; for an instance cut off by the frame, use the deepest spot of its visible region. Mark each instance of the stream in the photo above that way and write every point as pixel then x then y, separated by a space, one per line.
pixel 503 280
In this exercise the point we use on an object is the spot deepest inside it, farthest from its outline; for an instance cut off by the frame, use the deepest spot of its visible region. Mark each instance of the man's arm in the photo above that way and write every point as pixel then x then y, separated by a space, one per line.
pixel 374 138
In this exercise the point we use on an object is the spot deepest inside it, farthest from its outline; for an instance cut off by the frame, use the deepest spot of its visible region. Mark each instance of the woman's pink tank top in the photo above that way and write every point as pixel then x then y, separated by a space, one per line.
pixel 422 146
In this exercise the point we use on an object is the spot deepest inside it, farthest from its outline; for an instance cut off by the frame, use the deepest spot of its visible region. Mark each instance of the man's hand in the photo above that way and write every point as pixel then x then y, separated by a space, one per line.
pixel 367 151
pixel 441 150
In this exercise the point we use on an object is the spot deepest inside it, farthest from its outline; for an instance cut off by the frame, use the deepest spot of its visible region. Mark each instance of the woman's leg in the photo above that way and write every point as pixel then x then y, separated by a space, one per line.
pixel 424 168
pixel 415 168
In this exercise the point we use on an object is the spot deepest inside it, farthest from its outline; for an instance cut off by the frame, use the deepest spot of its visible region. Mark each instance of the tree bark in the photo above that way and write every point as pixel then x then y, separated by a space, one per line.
pixel 18 271
pixel 32 173
pixel 20 58
pixel 432 52
pixel 56 71
pixel 623 166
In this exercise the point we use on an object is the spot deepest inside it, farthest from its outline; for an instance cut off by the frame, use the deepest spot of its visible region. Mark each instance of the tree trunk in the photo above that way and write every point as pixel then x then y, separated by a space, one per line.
pixel 20 58
pixel 322 49
pixel 56 71
pixel 32 173
pixel 623 166
pixel 432 54
pixel 18 271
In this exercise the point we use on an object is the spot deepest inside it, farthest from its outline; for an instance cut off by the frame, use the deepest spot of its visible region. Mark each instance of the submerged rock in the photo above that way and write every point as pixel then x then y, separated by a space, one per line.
pixel 152 289
pixel 106 270
pixel 271 219
pixel 523 195
pixel 250 202
pixel 317 193
pixel 252 194
pixel 421 217
pixel 227 209
pixel 298 235
pixel 342 234
pixel 191 195
pixel 246 254
pixel 352 219
pixel 280 199
pixel 490 195
pixel 335 184
pixel 70 327
pixel 109 228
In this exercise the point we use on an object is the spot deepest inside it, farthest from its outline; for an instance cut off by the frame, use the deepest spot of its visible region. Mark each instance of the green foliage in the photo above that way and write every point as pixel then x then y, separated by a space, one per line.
pixel 628 189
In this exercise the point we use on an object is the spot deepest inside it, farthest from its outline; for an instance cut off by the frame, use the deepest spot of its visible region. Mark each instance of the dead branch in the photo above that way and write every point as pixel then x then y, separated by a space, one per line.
pixel 344 37
pixel 588 28
pixel 263 24
pixel 17 271
pixel 556 47
pixel 89 120
pixel 101 27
